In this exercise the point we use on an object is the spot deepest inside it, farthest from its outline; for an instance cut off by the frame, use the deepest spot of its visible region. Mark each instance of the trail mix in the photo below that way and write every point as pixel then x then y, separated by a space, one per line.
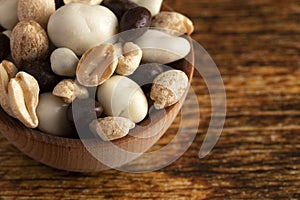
pixel 56 52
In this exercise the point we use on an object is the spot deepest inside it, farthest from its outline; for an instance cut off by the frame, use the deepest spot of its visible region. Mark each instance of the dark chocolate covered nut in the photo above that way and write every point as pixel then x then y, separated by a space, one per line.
pixel 146 73
pixel 88 110
pixel 138 18
pixel 2 29
pixel 119 7
pixel 58 4
pixel 41 71
pixel 4 46
pixel 153 6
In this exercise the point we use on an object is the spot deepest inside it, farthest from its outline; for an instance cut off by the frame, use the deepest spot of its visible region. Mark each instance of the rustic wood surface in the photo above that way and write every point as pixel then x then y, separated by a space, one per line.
pixel 256 45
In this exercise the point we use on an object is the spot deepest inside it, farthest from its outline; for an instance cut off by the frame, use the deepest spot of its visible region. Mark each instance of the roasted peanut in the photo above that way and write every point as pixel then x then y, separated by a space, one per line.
pixel 130 59
pixel 97 65
pixel 7 71
pixel 23 92
pixel 168 88
pixel 111 128
pixel 69 90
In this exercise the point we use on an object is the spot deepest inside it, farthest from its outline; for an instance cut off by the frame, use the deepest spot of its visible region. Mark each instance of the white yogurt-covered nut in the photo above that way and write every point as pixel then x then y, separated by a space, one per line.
pixel 168 88
pixel 8 13
pixel 160 47
pixel 111 128
pixel 88 2
pixel 52 115
pixel 64 62
pixel 37 10
pixel 122 97
pixel 152 5
pixel 80 27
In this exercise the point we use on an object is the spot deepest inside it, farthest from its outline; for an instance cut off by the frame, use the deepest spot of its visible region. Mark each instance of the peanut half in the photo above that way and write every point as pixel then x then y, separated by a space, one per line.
pixel 97 65
pixel 7 71
pixel 23 92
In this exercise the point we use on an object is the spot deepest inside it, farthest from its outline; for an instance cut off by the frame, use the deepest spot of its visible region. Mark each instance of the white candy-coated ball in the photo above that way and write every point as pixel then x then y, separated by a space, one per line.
pixel 161 47
pixel 122 97
pixel 64 62
pixel 52 115
pixel 80 27
pixel 8 13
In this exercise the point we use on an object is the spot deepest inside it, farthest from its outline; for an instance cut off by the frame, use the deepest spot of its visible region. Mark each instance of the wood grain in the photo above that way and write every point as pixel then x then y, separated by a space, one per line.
pixel 256 45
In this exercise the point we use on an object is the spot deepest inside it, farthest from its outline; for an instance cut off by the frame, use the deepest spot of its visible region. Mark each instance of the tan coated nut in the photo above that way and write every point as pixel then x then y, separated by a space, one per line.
pixel 28 42
pixel 111 128
pixel 173 22
pixel 37 10
pixel 168 88
pixel 88 2
pixel 7 71
pixel 68 89
pixel 130 58
pixel 97 65
pixel 23 92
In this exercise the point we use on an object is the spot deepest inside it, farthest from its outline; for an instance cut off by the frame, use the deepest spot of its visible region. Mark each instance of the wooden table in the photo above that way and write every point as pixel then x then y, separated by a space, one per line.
pixel 256 45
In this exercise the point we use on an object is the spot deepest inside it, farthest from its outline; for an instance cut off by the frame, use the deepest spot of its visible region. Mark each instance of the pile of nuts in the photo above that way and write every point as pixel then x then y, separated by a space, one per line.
pixel 55 52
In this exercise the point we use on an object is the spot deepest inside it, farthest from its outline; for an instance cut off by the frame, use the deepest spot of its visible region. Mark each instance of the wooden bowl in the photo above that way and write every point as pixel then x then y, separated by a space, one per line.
pixel 72 154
